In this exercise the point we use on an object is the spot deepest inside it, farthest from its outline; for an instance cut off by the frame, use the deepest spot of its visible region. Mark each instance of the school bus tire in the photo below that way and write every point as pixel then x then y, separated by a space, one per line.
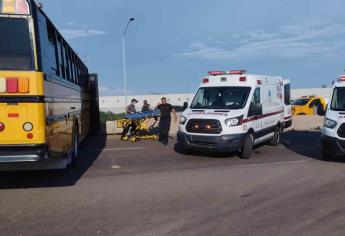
pixel 75 143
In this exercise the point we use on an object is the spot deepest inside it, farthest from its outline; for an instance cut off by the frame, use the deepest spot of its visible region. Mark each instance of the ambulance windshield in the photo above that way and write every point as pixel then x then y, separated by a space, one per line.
pixel 338 100
pixel 221 98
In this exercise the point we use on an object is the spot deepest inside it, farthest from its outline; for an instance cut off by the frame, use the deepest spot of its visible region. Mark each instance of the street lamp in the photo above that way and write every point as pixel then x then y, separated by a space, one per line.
pixel 124 59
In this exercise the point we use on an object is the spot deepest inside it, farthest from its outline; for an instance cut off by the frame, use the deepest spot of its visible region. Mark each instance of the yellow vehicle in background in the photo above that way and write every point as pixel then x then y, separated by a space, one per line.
pixel 307 105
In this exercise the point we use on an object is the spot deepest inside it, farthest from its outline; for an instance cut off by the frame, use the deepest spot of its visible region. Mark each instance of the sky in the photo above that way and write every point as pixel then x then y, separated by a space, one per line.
pixel 172 44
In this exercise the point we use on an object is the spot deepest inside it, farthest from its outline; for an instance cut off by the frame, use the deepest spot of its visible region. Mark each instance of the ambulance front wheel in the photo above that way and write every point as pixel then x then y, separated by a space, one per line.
pixel 326 156
pixel 247 149
pixel 276 137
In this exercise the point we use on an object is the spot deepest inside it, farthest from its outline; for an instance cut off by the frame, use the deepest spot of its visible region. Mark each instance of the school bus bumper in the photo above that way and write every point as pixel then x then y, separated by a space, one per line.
pixel 22 153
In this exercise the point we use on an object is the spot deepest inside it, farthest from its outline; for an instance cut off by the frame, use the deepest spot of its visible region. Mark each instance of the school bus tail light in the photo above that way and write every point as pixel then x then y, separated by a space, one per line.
pixel 2 85
pixel 12 85
pixel 30 136
pixel 2 127
pixel 23 85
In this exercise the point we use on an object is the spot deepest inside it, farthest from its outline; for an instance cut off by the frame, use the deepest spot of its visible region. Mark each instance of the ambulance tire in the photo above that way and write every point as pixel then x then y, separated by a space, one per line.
pixel 183 149
pixel 326 156
pixel 247 148
pixel 187 152
pixel 275 140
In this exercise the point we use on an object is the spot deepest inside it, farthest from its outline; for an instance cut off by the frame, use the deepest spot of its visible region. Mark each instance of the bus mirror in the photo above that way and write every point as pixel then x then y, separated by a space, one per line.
pixel 185 105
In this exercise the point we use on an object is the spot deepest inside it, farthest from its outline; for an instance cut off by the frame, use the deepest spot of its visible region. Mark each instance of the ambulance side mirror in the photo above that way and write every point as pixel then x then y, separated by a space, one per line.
pixel 185 105
pixel 320 110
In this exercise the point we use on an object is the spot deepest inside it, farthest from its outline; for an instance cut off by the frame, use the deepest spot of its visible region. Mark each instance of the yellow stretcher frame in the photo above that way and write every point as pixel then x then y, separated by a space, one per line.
pixel 142 127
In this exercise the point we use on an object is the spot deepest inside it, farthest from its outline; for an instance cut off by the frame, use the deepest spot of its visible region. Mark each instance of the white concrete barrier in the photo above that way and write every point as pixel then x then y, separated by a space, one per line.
pixel 307 122
pixel 111 128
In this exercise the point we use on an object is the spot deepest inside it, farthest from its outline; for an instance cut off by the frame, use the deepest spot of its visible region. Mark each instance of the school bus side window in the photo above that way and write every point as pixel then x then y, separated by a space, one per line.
pixel 71 65
pixel 65 60
pixel 53 54
pixel 62 68
pixel 75 69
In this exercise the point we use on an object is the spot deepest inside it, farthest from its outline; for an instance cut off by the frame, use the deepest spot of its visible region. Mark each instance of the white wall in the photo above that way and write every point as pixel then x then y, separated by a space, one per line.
pixel 116 104
pixel 323 92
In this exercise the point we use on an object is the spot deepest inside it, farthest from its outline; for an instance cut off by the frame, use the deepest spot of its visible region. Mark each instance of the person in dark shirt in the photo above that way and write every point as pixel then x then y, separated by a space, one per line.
pixel 146 107
pixel 164 124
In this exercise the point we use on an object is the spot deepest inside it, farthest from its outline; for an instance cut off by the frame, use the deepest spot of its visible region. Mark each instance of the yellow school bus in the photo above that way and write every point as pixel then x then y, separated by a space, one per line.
pixel 45 91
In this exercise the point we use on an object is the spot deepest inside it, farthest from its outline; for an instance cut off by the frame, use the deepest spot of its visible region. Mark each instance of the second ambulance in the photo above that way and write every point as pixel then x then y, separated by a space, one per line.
pixel 333 133
pixel 232 111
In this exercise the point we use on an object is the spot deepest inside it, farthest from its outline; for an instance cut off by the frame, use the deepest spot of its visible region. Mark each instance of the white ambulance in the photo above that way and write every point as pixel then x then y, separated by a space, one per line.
pixel 333 132
pixel 231 112
pixel 287 104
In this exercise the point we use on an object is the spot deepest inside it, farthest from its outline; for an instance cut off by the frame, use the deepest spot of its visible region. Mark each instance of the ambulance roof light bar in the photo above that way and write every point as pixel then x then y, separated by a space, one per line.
pixel 214 73
pixel 342 78
pixel 228 72
pixel 236 72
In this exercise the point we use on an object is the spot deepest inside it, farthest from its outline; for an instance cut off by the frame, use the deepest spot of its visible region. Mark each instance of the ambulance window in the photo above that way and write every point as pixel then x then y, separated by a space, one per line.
pixel 255 100
pixel 221 98
pixel 256 96
pixel 287 94
pixel 338 99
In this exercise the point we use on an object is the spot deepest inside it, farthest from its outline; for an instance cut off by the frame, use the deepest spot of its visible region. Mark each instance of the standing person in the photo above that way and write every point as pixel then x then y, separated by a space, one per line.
pixel 146 107
pixel 130 109
pixel 164 124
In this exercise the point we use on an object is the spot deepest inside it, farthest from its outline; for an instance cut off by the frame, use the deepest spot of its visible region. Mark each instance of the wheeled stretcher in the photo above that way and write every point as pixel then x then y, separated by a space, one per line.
pixel 136 126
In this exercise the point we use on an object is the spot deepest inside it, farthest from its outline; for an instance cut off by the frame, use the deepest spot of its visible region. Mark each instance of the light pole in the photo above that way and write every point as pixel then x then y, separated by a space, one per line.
pixel 124 59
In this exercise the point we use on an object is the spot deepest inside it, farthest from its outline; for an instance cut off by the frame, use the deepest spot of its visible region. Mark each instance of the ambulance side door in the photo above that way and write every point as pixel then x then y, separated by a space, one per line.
pixel 273 107
pixel 255 115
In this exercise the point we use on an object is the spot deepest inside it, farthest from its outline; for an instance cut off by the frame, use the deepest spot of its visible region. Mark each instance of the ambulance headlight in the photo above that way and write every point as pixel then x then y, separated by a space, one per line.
pixel 183 120
pixel 331 124
pixel 233 121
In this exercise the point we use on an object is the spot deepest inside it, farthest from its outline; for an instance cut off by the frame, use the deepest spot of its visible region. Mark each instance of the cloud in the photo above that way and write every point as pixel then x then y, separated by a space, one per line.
pixel 76 30
pixel 106 91
pixel 309 38
pixel 81 33
pixel 73 24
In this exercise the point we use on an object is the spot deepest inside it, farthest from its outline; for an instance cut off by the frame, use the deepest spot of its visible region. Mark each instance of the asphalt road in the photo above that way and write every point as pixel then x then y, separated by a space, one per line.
pixel 149 189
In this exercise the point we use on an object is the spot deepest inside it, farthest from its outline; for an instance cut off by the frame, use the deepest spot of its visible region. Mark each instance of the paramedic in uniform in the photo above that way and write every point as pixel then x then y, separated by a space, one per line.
pixel 164 124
